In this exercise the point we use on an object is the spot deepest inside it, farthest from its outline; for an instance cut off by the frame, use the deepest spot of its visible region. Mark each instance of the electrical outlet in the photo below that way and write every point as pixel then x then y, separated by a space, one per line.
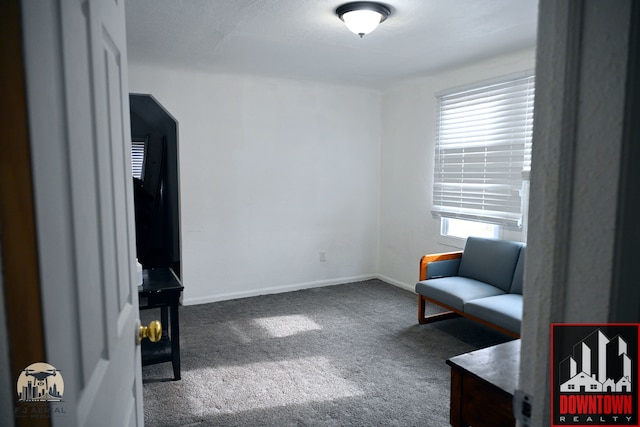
pixel 323 256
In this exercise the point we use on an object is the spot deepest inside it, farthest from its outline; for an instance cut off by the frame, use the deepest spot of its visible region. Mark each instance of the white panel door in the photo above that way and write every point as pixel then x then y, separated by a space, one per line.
pixel 76 62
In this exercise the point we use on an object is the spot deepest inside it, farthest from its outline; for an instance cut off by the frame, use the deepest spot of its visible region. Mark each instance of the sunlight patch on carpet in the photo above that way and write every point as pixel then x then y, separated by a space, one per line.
pixel 230 389
pixel 285 326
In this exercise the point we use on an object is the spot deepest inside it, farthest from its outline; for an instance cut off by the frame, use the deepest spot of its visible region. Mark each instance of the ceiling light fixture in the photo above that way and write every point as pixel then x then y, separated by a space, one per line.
pixel 362 17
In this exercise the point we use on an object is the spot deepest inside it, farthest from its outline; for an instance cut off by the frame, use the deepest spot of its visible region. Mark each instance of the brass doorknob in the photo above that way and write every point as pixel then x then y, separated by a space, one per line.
pixel 153 332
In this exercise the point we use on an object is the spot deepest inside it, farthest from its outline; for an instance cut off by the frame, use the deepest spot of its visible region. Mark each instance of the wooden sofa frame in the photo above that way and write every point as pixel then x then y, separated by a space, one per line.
pixel 451 312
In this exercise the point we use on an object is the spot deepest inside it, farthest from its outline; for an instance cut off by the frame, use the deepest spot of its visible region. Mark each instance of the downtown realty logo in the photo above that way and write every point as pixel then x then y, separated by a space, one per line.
pixel 594 374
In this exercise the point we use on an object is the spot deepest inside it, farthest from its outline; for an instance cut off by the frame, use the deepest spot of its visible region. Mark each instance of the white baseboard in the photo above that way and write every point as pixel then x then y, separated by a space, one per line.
pixel 277 289
pixel 405 286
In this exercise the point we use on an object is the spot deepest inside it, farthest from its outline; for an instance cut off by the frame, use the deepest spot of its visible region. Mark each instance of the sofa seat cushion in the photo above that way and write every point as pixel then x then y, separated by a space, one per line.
pixel 502 310
pixel 456 291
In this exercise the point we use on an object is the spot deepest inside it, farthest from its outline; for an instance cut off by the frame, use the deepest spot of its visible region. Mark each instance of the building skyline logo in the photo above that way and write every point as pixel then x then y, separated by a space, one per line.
pixel 594 373
pixel 40 382
pixel 590 373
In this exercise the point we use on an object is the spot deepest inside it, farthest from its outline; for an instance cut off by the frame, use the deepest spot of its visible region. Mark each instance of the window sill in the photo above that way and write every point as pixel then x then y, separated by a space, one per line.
pixel 453 242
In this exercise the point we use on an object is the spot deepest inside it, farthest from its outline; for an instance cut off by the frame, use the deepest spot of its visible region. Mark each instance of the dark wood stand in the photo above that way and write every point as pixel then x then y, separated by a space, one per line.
pixel 482 386
pixel 161 288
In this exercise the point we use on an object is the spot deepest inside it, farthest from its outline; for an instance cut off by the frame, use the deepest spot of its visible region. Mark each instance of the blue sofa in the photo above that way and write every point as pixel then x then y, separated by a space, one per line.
pixel 483 283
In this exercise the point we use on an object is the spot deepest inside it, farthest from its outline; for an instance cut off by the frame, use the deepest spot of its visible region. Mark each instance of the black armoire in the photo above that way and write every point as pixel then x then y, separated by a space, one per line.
pixel 156 191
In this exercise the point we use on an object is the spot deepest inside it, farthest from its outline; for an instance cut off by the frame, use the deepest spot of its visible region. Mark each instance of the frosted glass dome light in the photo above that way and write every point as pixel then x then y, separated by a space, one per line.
pixel 362 17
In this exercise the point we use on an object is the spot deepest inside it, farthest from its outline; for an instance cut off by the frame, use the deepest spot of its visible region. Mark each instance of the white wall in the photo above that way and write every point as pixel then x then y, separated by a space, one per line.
pixel 274 171
pixel 271 172
pixel 407 229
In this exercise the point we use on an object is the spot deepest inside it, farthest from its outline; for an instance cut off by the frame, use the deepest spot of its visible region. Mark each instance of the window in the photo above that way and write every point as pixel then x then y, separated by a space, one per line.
pixel 137 157
pixel 462 229
pixel 483 148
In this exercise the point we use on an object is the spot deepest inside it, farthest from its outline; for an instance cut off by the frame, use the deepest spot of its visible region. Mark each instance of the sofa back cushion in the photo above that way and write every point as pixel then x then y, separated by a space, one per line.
pixel 518 275
pixel 445 268
pixel 491 261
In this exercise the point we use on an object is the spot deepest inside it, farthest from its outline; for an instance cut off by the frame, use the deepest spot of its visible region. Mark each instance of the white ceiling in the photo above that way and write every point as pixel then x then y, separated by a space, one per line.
pixel 304 39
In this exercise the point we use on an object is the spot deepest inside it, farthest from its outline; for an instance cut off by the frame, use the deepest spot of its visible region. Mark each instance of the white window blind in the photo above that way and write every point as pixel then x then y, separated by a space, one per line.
pixel 137 158
pixel 483 147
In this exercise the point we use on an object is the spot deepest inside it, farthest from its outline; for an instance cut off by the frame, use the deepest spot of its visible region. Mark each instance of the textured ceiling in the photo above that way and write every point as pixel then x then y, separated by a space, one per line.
pixel 304 39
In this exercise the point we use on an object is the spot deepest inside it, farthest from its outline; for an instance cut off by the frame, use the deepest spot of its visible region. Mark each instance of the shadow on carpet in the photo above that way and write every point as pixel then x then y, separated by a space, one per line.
pixel 344 355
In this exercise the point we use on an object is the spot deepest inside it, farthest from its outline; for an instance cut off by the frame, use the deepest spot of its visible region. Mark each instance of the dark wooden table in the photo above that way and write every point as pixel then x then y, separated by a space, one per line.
pixel 482 386
pixel 161 288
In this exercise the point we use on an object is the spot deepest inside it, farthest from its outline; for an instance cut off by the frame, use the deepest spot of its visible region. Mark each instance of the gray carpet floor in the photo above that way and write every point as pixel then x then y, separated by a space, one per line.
pixel 345 355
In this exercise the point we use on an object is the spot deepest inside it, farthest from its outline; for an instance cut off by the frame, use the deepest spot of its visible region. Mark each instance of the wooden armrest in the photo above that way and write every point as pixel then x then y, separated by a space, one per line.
pixel 436 257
